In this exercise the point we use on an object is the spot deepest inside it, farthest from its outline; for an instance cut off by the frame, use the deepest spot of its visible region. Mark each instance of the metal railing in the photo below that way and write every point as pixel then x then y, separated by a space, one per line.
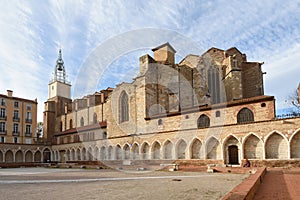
pixel 16 119
pixel 28 134
pixel 16 133
pixel 3 117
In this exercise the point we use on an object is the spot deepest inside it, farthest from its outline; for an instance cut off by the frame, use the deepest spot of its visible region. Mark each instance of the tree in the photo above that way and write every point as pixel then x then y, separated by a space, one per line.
pixel 294 100
pixel 39 130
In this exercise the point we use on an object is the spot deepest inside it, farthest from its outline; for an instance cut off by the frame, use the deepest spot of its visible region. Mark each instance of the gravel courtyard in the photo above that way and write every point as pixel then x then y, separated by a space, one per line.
pixel 44 183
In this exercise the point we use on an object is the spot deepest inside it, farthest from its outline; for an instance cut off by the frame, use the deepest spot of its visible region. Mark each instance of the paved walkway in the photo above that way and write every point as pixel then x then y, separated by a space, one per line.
pixel 280 184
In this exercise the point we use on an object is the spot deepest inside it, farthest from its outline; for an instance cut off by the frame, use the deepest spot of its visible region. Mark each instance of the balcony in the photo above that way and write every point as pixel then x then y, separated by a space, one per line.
pixel 16 133
pixel 28 120
pixel 3 132
pixel 16 119
pixel 28 134
pixel 3 117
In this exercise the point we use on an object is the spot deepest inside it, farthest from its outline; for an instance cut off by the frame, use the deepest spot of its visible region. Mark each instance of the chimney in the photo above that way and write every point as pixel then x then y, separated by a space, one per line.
pixel 9 93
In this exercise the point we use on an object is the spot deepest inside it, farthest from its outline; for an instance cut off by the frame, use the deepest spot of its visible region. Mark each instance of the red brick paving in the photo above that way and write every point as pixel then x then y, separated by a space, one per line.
pixel 280 184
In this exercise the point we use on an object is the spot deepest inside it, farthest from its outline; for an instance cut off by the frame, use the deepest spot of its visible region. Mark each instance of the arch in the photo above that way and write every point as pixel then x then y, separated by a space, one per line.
pixel 37 156
pixel 57 155
pixel 213 148
pixel 73 157
pixel 95 118
pixel 135 151
pixel 126 152
pixel 46 155
pixel 276 146
pixel 196 149
pixel 78 154
pixel 96 153
pixel 110 153
pixel 118 152
pixel 124 107
pixel 90 155
pixel 9 156
pixel 19 156
pixel 103 153
pixel 81 121
pixel 68 155
pixel 83 154
pixel 295 145
pixel 155 150
pixel 168 150
pixel 28 156
pixel 1 156
pixel 145 150
pixel 245 115
pixel 253 147
pixel 54 156
pixel 181 149
pixel 231 147
pixel 203 121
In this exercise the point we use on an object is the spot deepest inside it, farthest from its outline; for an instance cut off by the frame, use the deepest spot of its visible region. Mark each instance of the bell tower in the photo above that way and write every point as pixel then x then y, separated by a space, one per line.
pixel 59 86
pixel 59 95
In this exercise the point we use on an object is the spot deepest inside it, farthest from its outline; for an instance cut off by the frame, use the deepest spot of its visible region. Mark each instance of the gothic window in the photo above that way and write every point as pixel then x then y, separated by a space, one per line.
pixel 124 111
pixel 71 123
pixel 61 126
pixel 245 115
pixel 104 135
pixel 214 84
pixel 160 122
pixel 203 121
pixel 81 121
pixel 95 120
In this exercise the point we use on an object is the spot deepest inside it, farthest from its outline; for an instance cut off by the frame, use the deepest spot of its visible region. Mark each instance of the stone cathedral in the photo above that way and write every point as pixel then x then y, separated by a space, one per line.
pixel 208 108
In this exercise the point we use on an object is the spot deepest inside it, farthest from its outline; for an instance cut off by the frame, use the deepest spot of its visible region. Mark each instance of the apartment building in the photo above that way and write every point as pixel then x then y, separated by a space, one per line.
pixel 18 119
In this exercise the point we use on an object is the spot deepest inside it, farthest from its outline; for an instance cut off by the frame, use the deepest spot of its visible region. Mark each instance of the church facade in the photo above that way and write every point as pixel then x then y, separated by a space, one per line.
pixel 206 108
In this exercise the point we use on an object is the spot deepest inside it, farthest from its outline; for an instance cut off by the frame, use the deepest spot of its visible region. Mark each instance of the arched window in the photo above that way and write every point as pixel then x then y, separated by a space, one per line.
pixel 245 115
pixel 124 115
pixel 214 84
pixel 81 121
pixel 61 126
pixel 203 121
pixel 160 122
pixel 104 135
pixel 71 123
pixel 95 120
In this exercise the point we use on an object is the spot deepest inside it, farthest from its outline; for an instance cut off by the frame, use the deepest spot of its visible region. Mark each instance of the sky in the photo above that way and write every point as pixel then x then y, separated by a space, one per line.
pixel 102 41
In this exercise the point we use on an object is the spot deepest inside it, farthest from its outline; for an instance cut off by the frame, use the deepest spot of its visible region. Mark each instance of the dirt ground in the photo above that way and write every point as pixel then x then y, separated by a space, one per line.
pixel 42 183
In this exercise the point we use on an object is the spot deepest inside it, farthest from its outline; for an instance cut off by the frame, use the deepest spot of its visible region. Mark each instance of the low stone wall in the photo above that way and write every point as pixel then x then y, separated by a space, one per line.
pixel 247 189
pixel 17 165
pixel 275 163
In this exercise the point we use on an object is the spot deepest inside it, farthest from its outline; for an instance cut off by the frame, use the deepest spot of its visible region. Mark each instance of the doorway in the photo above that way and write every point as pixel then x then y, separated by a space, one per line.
pixel 233 154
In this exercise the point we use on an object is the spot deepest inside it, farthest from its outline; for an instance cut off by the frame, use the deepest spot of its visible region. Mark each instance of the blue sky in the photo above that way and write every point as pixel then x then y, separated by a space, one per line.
pixel 33 31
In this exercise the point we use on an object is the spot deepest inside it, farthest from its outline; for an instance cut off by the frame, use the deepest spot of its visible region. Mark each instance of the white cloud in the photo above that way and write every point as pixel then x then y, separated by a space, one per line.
pixel 32 32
